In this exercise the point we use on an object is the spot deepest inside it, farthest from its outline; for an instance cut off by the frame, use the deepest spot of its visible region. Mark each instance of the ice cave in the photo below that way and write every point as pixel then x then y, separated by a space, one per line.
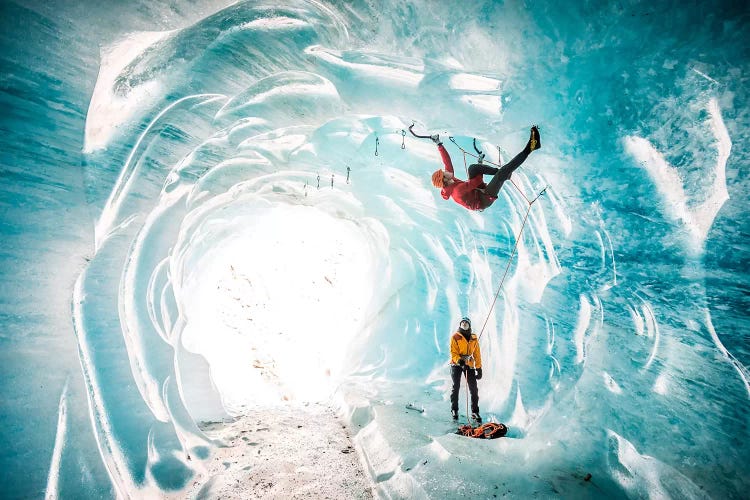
pixel 211 209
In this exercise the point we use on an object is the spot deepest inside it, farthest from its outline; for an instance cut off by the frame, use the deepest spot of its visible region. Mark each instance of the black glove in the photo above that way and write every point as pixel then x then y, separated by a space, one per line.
pixel 478 373
pixel 461 362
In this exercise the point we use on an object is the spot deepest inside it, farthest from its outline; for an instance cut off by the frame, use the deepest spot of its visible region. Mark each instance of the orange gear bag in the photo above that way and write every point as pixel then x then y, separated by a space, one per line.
pixel 490 430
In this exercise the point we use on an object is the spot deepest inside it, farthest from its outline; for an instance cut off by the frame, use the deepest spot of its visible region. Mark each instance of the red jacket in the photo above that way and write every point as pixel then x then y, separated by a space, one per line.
pixel 465 193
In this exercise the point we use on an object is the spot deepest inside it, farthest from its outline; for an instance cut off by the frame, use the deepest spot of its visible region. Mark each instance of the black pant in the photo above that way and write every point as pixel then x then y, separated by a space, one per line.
pixel 499 175
pixel 456 376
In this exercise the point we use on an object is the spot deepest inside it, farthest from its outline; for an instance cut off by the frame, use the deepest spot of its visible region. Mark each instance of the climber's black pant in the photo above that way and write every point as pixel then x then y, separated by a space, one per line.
pixel 456 375
pixel 499 175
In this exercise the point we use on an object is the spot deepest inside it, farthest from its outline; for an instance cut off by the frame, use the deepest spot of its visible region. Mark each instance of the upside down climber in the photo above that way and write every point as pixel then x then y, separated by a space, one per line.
pixel 474 194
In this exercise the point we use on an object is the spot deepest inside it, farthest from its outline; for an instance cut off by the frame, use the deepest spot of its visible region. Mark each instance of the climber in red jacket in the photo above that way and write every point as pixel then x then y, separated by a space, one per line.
pixel 474 194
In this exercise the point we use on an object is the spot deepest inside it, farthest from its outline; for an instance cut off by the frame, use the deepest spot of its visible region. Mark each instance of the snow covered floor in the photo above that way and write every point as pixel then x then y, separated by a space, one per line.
pixel 291 451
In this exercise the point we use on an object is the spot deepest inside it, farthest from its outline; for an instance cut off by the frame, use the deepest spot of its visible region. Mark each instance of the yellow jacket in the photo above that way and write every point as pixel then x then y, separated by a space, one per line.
pixel 461 348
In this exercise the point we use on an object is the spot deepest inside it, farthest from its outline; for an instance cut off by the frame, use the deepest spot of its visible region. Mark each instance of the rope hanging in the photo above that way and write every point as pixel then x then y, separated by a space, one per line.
pixel 510 259
pixel 512 254
pixel 466 168
pixel 480 157
pixel 518 237
pixel 500 286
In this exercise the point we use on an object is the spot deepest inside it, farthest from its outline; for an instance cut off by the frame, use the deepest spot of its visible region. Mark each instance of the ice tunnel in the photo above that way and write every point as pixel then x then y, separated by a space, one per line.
pixel 211 207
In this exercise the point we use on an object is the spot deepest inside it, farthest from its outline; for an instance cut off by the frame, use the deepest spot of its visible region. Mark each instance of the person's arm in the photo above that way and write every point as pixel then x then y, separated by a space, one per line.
pixel 455 354
pixel 477 356
pixel 446 158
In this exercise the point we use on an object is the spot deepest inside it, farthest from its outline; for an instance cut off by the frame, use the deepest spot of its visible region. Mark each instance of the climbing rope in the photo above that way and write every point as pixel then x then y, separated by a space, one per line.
pixel 510 259
pixel 500 287
pixel 480 157
pixel 466 392
pixel 466 168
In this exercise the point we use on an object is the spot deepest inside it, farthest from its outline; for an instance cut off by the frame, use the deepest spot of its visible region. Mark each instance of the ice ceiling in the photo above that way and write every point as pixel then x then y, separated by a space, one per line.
pixel 230 199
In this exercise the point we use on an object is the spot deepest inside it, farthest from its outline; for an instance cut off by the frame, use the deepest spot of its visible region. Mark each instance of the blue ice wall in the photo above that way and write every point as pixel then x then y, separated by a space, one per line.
pixel 140 142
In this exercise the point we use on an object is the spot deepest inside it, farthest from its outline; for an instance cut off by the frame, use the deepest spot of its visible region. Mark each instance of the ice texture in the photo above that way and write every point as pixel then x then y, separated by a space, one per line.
pixel 214 207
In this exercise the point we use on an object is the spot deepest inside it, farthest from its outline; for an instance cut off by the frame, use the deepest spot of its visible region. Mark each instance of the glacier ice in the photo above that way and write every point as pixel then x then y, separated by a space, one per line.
pixel 209 207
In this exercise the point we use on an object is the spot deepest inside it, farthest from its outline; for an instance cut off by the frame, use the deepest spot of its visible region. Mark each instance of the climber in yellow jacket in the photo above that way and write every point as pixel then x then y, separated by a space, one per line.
pixel 465 359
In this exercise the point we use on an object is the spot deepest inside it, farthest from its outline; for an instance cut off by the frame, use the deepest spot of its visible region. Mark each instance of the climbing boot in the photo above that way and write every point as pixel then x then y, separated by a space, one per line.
pixel 454 414
pixel 476 417
pixel 535 142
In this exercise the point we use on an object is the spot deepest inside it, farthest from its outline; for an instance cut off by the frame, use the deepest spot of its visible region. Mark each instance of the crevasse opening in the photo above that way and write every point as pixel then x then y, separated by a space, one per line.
pixel 272 295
